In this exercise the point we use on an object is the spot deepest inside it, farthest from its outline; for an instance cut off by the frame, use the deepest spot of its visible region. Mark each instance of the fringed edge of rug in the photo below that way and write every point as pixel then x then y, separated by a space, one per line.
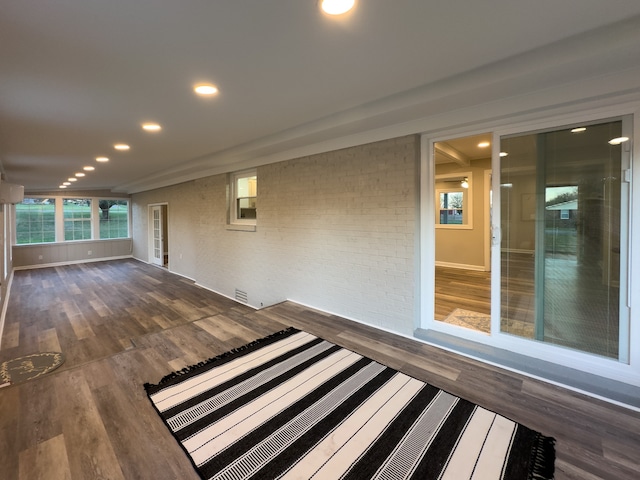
pixel 213 361
pixel 542 465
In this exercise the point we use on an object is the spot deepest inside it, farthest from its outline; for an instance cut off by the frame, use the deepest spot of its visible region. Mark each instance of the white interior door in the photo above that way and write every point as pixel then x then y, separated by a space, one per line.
pixel 157 236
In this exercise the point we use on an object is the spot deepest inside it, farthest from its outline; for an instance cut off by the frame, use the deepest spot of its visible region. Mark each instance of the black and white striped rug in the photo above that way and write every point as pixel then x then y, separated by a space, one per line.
pixel 293 405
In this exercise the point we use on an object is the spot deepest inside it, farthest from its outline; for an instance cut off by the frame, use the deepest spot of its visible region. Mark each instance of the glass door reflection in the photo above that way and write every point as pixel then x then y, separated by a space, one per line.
pixel 563 198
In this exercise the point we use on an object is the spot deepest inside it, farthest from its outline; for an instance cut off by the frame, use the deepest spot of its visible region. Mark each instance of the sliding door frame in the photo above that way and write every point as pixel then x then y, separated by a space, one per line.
pixel 624 371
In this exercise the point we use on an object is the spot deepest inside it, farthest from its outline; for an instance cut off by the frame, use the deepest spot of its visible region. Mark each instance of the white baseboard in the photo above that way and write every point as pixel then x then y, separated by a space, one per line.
pixel 461 266
pixel 517 250
pixel 227 296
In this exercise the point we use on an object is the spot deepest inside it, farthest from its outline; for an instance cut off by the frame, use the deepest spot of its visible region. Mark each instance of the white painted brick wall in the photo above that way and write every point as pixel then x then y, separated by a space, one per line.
pixel 335 231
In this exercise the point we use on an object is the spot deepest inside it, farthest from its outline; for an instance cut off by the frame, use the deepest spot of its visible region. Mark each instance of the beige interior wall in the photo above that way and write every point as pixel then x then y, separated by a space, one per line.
pixel 465 247
pixel 65 252
pixel 518 211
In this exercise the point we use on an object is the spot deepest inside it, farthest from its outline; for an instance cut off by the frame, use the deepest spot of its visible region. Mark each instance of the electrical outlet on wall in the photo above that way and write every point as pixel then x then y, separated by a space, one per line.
pixel 89 252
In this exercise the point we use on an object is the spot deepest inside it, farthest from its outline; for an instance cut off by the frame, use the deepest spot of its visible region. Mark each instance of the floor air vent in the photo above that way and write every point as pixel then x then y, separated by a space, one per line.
pixel 241 296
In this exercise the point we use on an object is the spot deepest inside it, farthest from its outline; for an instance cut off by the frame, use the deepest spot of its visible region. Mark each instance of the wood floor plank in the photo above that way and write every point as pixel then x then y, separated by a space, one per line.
pixel 45 460
pixel 230 328
pixel 618 419
pixel 11 337
pixel 395 355
pixel 128 417
pixel 80 326
pixel 10 413
pixel 100 307
pixel 48 341
pixel 37 424
pixel 213 326
pixel 570 471
pixel 622 451
pixel 195 345
pixel 89 449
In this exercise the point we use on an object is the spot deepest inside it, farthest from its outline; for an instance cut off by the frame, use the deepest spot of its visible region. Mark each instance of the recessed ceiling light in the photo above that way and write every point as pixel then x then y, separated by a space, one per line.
pixel 63 186
pixel 205 89
pixel 79 174
pixel 66 184
pixel 121 146
pixel 88 168
pixel 102 159
pixel 484 144
pixel 151 127
pixel 336 7
pixel 72 179
pixel 618 140
pixel 503 154
pixel 578 130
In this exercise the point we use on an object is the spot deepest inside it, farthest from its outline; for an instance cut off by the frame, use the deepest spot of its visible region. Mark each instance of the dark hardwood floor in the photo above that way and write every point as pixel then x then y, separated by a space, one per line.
pixel 465 289
pixel 123 323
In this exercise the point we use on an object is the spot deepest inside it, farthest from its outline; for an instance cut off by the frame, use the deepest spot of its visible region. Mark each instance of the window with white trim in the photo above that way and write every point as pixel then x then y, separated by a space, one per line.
pixel 35 221
pixel 244 195
pixel 114 218
pixel 77 218
pixel 453 201
pixel 51 219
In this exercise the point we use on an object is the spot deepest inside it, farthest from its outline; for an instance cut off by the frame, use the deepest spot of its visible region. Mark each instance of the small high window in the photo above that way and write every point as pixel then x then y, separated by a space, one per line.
pixel 453 200
pixel 244 195
pixel 451 207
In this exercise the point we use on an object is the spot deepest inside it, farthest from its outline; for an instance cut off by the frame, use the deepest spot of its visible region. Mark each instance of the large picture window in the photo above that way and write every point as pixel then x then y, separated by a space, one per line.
pixel 77 218
pixel 35 221
pixel 56 219
pixel 114 218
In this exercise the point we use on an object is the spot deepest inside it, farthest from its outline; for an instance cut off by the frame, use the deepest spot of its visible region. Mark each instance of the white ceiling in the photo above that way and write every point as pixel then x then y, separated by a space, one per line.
pixel 77 76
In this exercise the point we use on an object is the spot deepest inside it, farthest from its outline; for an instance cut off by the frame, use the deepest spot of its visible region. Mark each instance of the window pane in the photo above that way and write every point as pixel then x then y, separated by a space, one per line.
pixel 114 218
pixel 451 208
pixel 246 197
pixel 77 218
pixel 561 247
pixel 35 221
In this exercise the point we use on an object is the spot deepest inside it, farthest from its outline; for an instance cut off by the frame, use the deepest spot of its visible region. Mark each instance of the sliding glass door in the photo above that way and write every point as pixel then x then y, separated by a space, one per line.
pixel 564 219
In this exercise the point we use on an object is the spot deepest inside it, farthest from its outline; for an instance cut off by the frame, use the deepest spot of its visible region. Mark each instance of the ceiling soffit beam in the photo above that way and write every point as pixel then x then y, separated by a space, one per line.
pixel 452 154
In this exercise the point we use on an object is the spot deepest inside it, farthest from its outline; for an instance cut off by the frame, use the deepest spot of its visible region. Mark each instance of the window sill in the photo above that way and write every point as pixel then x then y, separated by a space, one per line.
pixel 72 242
pixel 451 226
pixel 240 227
